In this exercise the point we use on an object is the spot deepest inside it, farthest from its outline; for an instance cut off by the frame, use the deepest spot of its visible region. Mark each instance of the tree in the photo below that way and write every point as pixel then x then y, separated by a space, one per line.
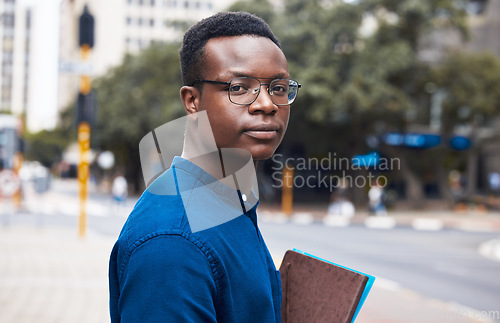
pixel 471 83
pixel 135 98
pixel 47 146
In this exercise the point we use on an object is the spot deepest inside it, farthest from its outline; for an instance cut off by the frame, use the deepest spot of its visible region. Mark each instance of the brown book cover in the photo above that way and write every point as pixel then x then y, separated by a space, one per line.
pixel 318 291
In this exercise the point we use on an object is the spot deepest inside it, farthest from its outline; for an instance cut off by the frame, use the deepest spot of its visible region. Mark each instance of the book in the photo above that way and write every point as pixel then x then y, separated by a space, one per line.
pixel 317 290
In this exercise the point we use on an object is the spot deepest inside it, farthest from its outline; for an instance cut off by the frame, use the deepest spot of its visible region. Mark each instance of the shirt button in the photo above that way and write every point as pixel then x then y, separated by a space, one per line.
pixel 244 197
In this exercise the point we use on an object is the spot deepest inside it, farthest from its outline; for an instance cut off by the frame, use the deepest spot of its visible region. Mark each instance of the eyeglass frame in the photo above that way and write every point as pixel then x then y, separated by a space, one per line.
pixel 260 84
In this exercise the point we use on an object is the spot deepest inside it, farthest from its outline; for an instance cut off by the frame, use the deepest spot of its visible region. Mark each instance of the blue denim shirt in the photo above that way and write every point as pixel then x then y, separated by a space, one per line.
pixel 163 271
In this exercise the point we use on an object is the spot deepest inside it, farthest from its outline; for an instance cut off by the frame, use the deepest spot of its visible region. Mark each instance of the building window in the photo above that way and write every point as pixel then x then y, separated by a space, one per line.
pixel 8 20
pixel 476 7
pixel 28 19
pixel 186 4
pixel 129 1
pixel 139 21
pixel 152 3
pixel 151 22
pixel 141 2
pixel 129 21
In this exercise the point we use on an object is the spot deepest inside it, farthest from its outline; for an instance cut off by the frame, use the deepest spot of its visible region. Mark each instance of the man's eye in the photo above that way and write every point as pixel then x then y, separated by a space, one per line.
pixel 238 89
pixel 279 89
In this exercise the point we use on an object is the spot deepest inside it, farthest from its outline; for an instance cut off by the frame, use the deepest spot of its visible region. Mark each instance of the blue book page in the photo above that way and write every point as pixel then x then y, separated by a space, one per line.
pixel 366 291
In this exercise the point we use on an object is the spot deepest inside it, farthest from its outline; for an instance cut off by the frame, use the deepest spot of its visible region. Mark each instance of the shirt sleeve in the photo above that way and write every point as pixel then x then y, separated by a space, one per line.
pixel 167 279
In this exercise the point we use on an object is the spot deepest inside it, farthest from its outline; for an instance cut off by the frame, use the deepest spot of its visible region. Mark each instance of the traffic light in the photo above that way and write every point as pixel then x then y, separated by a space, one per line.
pixel 85 108
pixel 86 98
pixel 86 29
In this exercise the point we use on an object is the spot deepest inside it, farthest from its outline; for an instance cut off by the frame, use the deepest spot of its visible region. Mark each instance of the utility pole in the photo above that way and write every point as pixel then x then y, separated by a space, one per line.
pixel 85 106
pixel 287 191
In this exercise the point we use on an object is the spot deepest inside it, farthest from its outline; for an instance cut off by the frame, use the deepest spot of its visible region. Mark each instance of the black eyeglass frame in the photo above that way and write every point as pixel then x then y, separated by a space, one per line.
pixel 249 77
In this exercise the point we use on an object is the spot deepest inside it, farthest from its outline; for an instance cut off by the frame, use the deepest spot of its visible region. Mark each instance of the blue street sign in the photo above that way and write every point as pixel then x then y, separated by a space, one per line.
pixel 414 140
pixel 460 143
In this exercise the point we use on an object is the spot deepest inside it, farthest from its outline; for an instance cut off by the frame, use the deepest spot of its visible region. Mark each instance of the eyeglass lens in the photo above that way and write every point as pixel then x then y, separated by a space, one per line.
pixel 244 90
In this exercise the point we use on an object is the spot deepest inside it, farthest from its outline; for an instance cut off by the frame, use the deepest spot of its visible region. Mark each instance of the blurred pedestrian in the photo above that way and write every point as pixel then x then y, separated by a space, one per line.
pixel 119 190
pixel 376 199
pixel 340 204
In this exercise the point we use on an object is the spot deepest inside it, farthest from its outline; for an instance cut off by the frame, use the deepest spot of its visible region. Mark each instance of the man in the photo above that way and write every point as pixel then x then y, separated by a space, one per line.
pixel 191 250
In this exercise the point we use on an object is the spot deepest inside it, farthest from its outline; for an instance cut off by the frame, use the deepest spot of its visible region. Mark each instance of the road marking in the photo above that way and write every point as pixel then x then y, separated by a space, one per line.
pixel 274 217
pixel 473 227
pixel 427 224
pixel 302 218
pixel 380 222
pixel 336 221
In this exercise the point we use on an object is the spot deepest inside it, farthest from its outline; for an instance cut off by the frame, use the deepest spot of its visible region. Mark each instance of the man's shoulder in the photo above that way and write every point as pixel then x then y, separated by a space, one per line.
pixel 159 209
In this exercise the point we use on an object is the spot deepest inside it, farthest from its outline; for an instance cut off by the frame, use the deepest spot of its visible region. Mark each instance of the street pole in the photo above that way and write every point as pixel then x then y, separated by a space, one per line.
pixel 287 191
pixel 83 174
pixel 85 113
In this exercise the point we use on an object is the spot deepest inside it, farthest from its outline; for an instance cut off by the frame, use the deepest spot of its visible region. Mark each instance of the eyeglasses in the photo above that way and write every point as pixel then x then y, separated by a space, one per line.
pixel 245 90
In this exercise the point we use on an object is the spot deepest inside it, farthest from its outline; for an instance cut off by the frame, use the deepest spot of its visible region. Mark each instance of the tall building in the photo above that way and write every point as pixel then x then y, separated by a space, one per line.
pixel 121 26
pixel 28 55
pixel 485 26
pixel 15 40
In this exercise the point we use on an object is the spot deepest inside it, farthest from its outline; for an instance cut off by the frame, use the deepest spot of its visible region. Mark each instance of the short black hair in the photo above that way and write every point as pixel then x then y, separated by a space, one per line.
pixel 219 25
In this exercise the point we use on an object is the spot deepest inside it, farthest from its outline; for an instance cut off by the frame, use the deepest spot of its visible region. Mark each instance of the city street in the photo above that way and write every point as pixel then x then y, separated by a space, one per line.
pixel 422 276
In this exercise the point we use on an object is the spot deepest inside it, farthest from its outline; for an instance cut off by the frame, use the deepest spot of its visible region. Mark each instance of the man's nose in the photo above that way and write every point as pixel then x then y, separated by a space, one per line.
pixel 263 103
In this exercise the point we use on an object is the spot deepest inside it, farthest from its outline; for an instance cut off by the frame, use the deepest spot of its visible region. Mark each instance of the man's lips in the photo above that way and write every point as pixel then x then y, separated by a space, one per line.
pixel 263 132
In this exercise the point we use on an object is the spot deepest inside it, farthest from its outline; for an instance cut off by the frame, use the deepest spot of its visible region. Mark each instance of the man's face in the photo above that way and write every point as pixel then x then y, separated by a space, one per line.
pixel 258 127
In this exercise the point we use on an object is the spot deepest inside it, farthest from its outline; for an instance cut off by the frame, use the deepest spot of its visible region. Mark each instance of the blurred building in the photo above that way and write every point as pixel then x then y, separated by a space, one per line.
pixel 28 55
pixel 121 26
pixel 485 26
pixel 15 34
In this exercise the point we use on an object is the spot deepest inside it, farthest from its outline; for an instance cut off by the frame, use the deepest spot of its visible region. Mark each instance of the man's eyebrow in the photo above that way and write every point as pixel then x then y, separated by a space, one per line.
pixel 241 74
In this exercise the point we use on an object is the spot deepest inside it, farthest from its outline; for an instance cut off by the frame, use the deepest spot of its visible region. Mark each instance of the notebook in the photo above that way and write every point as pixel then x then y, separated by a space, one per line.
pixel 316 290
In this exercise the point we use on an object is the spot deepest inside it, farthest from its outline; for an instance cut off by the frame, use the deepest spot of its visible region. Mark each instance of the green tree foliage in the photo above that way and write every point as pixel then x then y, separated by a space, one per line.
pixel 47 146
pixel 135 98
pixel 261 8
pixel 472 85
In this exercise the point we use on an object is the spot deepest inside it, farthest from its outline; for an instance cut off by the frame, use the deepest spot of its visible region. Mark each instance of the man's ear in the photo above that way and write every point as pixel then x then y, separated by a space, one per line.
pixel 190 97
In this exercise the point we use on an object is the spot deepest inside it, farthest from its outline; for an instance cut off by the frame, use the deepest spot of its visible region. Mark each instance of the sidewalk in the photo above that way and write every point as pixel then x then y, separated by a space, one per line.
pixel 49 275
